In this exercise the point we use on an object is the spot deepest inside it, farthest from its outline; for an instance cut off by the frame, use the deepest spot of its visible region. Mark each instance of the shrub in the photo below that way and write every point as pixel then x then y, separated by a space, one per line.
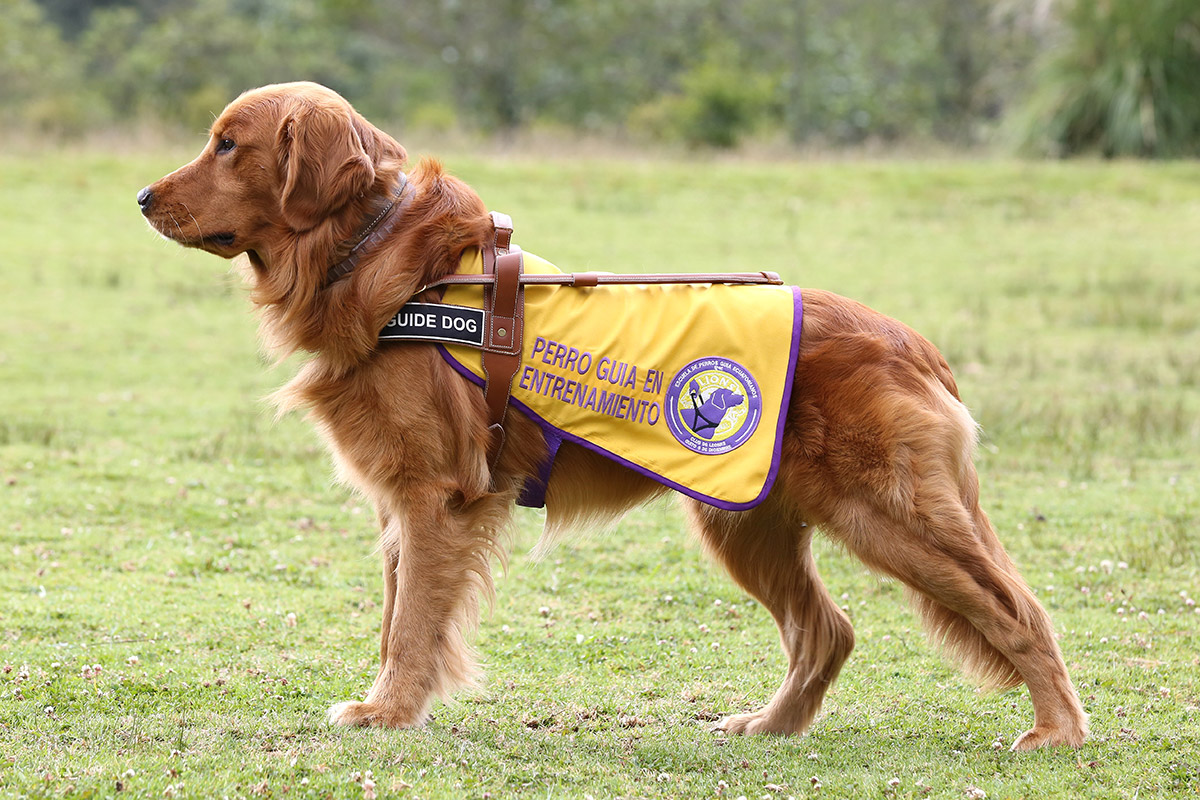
pixel 1122 82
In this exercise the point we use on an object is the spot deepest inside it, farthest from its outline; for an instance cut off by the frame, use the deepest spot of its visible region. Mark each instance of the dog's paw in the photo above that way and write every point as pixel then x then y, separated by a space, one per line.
pixel 748 725
pixel 351 713
pixel 355 714
pixel 1037 737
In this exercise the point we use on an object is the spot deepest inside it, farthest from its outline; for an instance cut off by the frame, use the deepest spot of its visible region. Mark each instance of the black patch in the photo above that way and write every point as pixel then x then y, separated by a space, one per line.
pixel 435 322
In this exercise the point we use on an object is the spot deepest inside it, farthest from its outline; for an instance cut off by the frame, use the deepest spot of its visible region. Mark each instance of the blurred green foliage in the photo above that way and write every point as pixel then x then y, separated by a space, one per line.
pixel 1125 81
pixel 1117 76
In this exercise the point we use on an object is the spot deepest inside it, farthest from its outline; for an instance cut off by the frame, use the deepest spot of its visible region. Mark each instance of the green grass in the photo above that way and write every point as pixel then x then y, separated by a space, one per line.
pixel 154 520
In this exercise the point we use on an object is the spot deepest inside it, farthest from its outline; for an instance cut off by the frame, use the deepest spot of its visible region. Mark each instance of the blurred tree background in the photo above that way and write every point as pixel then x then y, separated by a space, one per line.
pixel 1114 77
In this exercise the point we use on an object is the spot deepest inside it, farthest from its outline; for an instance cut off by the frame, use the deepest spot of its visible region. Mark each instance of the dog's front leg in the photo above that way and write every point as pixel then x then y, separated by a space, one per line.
pixel 441 551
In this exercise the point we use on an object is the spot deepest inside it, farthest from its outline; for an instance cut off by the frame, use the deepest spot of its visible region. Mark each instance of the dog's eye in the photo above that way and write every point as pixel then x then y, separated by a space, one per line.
pixel 225 145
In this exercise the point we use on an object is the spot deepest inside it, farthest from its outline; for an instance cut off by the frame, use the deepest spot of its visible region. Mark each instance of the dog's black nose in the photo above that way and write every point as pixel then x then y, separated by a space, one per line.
pixel 145 198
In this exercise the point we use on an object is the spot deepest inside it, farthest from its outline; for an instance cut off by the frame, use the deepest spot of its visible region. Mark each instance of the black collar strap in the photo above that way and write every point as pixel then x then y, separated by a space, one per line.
pixel 373 232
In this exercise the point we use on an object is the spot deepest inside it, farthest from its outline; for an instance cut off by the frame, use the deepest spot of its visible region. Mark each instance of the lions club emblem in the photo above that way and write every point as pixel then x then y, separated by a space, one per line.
pixel 713 405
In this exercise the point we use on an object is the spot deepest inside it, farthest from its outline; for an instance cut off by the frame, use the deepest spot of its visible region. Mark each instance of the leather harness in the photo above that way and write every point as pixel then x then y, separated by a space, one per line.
pixel 504 281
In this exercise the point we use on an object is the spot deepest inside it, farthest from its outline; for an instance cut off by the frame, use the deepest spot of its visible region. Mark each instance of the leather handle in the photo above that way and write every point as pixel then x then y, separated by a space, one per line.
pixel 506 320
pixel 504 230
pixel 504 298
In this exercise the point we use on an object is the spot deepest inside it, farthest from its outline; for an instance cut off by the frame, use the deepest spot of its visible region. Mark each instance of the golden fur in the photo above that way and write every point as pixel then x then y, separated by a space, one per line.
pixel 876 452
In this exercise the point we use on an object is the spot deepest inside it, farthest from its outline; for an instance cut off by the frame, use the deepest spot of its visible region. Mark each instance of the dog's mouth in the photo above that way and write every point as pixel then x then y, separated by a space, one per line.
pixel 223 244
pixel 217 243
pixel 223 241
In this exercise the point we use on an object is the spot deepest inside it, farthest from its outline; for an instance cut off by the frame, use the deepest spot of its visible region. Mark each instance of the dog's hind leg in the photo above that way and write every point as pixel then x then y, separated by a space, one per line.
pixel 916 516
pixel 441 548
pixel 768 554
pixel 972 598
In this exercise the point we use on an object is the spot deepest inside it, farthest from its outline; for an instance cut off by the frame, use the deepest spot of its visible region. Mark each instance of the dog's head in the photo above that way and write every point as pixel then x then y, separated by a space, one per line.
pixel 283 159
pixel 723 398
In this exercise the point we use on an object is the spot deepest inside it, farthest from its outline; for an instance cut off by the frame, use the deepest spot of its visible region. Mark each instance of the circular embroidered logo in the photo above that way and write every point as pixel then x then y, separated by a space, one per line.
pixel 712 405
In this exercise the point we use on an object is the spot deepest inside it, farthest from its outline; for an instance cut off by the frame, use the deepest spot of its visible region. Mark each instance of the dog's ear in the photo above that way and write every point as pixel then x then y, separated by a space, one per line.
pixel 323 163
pixel 382 148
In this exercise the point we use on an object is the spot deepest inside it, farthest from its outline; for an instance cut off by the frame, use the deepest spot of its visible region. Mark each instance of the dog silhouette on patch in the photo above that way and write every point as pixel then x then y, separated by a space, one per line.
pixel 706 414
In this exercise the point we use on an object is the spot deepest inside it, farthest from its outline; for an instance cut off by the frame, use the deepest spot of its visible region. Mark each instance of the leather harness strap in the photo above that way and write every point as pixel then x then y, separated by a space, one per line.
pixel 586 279
pixel 504 299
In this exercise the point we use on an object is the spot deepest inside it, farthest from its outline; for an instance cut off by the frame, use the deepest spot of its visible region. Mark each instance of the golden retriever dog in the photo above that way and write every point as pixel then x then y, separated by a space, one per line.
pixel 876 450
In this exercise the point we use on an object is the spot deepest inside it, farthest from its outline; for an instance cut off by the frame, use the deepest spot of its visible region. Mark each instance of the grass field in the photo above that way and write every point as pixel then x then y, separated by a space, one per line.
pixel 183 592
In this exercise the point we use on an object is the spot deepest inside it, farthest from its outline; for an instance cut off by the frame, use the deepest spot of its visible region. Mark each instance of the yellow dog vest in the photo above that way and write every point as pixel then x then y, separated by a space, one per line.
pixel 687 384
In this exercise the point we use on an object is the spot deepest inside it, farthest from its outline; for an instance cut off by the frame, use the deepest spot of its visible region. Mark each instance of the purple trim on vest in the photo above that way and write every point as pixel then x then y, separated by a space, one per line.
pixel 533 495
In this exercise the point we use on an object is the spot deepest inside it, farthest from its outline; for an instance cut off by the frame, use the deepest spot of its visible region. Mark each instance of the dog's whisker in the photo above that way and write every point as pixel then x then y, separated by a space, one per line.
pixel 196 222
pixel 175 222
